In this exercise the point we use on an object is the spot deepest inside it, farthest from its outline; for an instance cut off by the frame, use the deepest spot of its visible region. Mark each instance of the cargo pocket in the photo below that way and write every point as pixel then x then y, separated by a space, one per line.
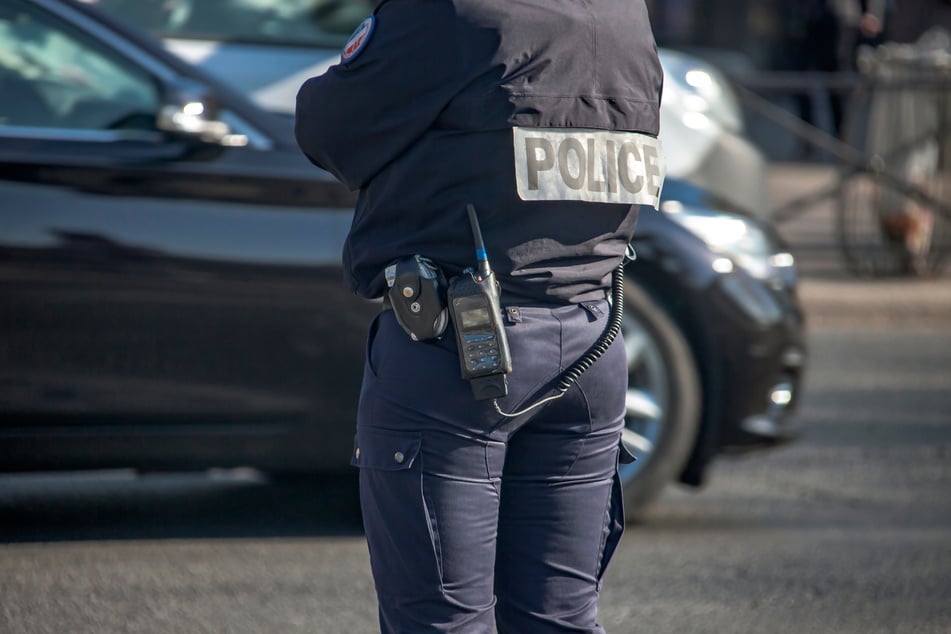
pixel 385 449
pixel 398 520
pixel 614 516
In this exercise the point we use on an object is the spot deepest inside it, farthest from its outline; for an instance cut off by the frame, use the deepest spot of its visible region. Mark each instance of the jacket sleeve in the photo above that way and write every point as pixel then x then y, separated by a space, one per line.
pixel 361 114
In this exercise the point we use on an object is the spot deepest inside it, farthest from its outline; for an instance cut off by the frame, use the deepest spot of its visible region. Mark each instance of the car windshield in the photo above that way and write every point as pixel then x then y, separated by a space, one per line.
pixel 322 23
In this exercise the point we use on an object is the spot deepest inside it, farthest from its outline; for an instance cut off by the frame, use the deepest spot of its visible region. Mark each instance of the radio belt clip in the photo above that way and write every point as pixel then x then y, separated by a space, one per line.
pixel 416 296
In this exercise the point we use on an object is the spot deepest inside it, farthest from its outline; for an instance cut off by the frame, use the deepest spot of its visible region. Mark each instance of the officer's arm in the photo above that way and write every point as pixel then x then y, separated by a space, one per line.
pixel 361 114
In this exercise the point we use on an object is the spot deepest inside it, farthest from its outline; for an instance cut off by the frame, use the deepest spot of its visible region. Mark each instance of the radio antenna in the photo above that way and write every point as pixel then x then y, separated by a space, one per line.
pixel 482 257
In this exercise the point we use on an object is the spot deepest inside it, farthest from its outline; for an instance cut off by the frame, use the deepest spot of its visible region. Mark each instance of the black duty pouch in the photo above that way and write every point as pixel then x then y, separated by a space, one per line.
pixel 417 295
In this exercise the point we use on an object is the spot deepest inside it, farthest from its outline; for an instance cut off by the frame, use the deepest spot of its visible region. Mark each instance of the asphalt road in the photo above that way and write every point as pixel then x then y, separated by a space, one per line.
pixel 849 530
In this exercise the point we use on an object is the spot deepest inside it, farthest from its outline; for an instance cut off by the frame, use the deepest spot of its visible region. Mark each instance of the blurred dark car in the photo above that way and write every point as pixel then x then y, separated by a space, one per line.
pixel 171 294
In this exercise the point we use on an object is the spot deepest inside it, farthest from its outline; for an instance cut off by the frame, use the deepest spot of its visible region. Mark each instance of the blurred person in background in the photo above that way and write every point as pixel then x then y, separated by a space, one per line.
pixel 811 36
pixel 824 36
pixel 861 23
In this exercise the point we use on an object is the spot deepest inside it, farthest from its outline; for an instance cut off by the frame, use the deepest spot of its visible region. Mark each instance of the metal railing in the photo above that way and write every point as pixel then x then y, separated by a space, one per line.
pixel 893 193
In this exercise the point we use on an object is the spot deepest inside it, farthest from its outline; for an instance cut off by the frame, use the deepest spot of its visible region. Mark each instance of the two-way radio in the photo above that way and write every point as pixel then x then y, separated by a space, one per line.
pixel 475 306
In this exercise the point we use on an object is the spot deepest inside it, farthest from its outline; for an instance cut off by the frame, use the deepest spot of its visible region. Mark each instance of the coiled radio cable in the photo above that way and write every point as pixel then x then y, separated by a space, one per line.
pixel 570 376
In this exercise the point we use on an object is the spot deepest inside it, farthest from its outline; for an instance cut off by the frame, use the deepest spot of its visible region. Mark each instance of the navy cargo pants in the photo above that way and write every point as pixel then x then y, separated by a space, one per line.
pixel 473 518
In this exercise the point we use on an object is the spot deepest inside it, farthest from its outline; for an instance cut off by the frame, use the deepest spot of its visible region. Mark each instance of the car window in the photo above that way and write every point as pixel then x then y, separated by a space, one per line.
pixel 322 23
pixel 52 75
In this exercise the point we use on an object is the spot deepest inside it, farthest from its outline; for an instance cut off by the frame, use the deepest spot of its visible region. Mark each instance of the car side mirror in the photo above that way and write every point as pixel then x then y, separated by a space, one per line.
pixel 191 113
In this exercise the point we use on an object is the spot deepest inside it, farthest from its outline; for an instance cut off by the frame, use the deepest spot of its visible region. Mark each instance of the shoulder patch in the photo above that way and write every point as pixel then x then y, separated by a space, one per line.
pixel 358 40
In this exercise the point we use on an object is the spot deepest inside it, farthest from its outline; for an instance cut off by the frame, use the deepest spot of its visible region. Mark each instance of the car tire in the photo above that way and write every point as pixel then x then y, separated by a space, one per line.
pixel 663 400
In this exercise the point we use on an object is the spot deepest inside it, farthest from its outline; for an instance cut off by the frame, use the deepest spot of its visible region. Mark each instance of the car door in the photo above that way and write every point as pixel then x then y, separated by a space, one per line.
pixel 162 277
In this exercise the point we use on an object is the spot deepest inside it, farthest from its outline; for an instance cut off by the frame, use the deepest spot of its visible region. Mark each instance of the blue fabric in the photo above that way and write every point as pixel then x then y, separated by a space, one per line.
pixel 472 518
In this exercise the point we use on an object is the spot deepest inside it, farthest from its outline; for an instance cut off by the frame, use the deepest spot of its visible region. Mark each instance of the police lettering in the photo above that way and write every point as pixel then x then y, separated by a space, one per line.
pixel 535 165
pixel 597 165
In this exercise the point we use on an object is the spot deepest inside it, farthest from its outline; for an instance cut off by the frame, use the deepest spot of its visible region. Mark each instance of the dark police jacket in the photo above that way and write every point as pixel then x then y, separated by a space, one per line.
pixel 525 109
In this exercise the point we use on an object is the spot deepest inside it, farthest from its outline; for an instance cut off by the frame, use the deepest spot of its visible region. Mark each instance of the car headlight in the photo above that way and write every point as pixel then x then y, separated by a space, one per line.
pixel 699 92
pixel 739 239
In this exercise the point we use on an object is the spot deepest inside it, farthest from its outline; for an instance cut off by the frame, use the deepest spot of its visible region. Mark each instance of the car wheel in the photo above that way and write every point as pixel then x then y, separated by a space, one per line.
pixel 663 400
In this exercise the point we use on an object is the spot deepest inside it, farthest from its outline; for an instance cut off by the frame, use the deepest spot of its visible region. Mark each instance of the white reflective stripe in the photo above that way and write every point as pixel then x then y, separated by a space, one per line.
pixel 600 166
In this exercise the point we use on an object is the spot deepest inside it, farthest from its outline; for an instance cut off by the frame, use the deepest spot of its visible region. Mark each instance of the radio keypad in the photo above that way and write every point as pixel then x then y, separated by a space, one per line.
pixel 482 351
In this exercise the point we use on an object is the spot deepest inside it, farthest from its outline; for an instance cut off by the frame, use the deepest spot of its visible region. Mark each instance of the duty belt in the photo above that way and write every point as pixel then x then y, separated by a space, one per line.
pixel 514 299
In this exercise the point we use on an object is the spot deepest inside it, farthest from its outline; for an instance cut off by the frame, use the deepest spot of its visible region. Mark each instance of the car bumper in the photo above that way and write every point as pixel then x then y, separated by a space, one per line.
pixel 762 356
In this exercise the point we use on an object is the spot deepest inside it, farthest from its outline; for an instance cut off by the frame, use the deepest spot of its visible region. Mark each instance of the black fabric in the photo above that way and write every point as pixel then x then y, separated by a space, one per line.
pixel 420 122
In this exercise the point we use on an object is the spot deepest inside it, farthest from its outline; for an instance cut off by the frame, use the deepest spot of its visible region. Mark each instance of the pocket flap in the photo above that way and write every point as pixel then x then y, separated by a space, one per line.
pixel 385 449
pixel 625 456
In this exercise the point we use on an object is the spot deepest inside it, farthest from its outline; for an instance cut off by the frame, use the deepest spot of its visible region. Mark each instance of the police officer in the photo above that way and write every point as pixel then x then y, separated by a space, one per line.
pixel 542 115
